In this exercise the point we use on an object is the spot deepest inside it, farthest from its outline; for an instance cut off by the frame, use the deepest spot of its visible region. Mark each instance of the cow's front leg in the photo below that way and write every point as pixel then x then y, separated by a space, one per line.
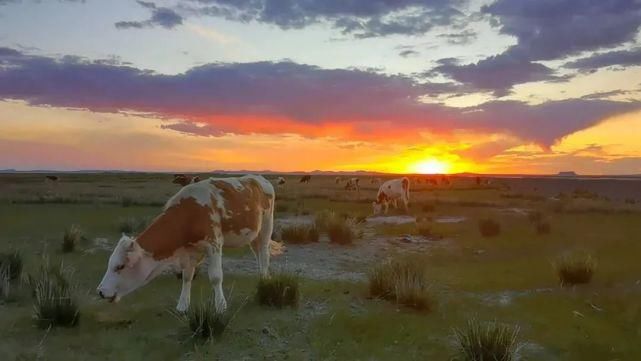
pixel 215 273
pixel 185 293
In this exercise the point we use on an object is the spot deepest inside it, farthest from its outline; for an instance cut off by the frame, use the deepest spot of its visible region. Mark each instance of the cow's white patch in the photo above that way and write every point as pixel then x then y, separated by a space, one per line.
pixel 267 187
pixel 201 192
pixel 245 236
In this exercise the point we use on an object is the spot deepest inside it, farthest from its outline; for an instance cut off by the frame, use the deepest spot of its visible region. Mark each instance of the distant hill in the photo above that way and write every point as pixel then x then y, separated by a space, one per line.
pixel 568 173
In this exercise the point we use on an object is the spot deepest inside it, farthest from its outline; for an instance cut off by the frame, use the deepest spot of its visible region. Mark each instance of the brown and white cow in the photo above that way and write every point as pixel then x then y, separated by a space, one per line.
pixel 338 180
pixel 184 179
pixel 198 221
pixel 280 181
pixel 353 184
pixel 390 192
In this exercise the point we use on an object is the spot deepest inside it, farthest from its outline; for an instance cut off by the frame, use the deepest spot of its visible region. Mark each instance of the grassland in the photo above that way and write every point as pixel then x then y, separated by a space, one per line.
pixel 509 278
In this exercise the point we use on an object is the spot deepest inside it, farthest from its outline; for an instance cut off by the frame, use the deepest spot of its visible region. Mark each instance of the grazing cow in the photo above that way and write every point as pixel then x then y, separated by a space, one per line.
pixel 52 178
pixel 390 192
pixel 305 179
pixel 198 221
pixel 183 179
pixel 280 181
pixel 353 184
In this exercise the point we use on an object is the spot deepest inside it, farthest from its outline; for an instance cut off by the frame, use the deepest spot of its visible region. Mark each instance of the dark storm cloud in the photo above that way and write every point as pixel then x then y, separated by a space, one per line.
pixel 160 16
pixel 498 74
pixel 360 18
pixel 548 30
pixel 283 97
pixel 620 57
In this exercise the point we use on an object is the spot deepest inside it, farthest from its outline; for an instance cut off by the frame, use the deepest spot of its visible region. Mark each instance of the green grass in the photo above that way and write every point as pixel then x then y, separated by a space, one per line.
pixel 203 321
pixel 71 238
pixel 491 341
pixel 11 265
pixel 280 290
pixel 54 301
pixel 336 320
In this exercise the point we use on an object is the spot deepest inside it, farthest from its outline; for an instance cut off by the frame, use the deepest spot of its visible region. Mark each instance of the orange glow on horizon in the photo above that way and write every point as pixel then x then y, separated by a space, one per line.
pixel 432 166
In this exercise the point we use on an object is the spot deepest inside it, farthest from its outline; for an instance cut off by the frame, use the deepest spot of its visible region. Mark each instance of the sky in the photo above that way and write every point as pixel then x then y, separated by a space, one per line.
pixel 402 86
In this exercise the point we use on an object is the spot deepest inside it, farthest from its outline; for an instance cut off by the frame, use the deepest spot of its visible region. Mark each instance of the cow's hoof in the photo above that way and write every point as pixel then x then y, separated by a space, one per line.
pixel 182 307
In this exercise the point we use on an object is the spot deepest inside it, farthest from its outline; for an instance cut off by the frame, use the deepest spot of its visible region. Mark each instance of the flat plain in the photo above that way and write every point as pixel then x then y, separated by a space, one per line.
pixel 508 278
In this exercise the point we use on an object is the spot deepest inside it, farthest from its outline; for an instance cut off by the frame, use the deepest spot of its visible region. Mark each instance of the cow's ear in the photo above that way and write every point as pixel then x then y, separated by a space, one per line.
pixel 133 255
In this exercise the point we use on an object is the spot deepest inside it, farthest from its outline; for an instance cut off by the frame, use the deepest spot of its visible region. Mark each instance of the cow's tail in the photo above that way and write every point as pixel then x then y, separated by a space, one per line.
pixel 276 248
pixel 406 188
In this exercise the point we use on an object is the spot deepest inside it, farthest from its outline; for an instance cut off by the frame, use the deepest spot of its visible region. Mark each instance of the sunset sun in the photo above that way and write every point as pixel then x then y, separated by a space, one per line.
pixel 432 166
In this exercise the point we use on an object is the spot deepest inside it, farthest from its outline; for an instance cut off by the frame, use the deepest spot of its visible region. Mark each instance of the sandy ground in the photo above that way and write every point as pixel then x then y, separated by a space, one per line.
pixel 326 261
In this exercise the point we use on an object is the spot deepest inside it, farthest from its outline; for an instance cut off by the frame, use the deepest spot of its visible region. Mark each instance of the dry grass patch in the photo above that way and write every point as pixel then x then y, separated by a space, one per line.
pixel 575 268
pixel 489 227
pixel 54 300
pixel 71 238
pixel 299 234
pixel 403 282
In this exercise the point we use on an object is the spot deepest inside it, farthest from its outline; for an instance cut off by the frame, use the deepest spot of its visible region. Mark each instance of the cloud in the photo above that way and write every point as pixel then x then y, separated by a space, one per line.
pixel 498 74
pixel 285 97
pixel 630 57
pixel 408 53
pixel 461 38
pixel 160 16
pixel 548 30
pixel 359 18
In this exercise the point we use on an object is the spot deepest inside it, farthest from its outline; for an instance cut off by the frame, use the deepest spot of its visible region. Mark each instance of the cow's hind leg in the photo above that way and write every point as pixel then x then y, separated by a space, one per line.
pixel 185 293
pixel 260 245
pixel 215 272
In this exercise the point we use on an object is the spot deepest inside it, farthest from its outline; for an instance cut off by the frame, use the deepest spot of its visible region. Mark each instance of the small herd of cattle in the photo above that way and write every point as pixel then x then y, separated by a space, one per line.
pixel 198 221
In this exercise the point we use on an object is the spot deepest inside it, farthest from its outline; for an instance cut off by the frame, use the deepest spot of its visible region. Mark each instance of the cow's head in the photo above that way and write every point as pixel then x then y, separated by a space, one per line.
pixel 128 269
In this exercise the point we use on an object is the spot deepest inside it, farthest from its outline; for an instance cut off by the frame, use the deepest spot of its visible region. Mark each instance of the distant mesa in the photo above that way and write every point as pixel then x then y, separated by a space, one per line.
pixel 568 173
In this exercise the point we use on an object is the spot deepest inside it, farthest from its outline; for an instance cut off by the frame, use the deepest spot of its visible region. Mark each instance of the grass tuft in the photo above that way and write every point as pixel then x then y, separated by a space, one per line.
pixel 401 281
pixel 424 229
pixel 341 231
pixel 575 268
pixel 5 285
pixel 71 237
pixel 11 264
pixel 490 342
pixel 54 302
pixel 543 227
pixel 299 234
pixel 204 322
pixel 489 227
pixel 280 290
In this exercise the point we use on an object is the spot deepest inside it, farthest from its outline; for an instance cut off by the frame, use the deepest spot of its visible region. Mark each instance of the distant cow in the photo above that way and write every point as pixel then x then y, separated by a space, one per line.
pixel 338 180
pixel 305 179
pixel 375 181
pixel 390 192
pixel 280 181
pixel 352 184
pixel 52 178
pixel 184 179
pixel 198 221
